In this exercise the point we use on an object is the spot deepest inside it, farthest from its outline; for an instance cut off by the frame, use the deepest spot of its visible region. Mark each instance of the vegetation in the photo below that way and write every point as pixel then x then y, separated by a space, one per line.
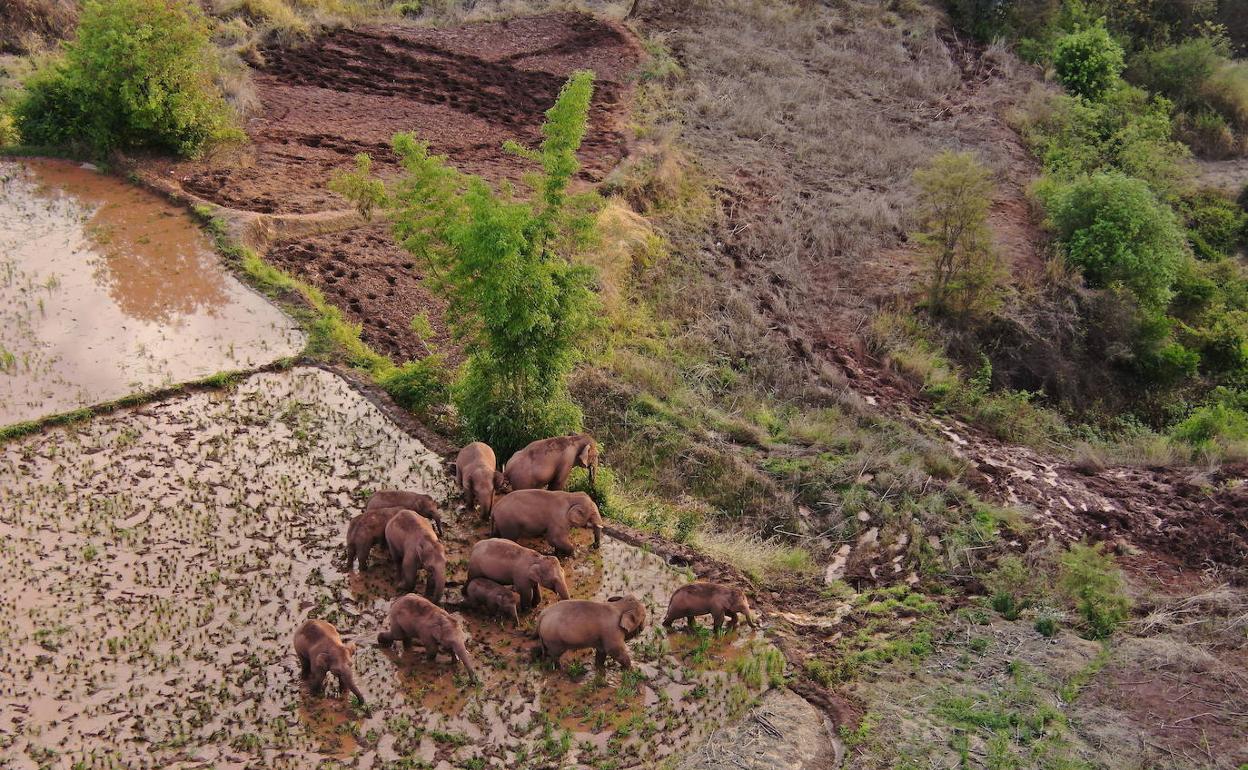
pixel 138 74
pixel 955 194
pixel 1089 577
pixel 515 299
pixel 1088 61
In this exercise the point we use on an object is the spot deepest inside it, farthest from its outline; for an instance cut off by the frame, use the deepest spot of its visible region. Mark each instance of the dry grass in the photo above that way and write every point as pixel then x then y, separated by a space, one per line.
pixel 757 557
pixel 28 25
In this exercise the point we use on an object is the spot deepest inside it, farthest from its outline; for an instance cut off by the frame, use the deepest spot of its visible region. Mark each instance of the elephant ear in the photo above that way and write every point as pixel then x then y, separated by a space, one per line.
pixel 582 457
pixel 322 662
pixel 632 619
pixel 578 515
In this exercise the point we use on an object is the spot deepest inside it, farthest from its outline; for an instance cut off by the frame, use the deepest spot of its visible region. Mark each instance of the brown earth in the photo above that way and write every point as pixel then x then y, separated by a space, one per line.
pixel 465 90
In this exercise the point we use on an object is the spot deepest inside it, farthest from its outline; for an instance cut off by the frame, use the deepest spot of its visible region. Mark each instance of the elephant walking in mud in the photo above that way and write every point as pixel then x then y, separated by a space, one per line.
pixel 392 499
pixel 577 624
pixel 416 619
pixel 477 477
pixel 414 546
pixel 701 598
pixel 322 651
pixel 541 513
pixel 512 564
pixel 546 463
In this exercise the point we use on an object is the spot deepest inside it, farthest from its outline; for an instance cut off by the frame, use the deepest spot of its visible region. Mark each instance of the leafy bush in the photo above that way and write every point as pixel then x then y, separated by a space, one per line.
pixel 1215 225
pixel 955 192
pixel 1116 231
pixel 1224 420
pixel 1209 135
pixel 8 130
pixel 1227 92
pixel 1089 577
pixel 514 298
pixel 138 74
pixel 417 386
pixel 1179 71
pixel 1088 61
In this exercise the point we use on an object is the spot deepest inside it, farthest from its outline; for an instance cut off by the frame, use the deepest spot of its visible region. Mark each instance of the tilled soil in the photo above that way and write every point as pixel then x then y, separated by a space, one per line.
pixel 463 90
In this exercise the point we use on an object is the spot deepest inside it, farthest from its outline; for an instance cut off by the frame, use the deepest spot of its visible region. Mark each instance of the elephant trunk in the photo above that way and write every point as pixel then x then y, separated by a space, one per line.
pixel 436 585
pixel 346 682
pixel 561 587
pixel 593 475
pixel 597 526
pixel 750 619
pixel 461 652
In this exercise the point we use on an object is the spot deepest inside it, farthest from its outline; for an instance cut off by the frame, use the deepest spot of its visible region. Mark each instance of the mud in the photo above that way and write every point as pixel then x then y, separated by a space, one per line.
pixel 106 290
pixel 465 90
pixel 161 557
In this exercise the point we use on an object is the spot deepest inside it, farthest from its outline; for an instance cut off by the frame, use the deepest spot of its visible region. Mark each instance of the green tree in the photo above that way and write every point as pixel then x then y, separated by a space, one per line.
pixel 955 193
pixel 1088 61
pixel 139 73
pixel 516 303
pixel 1089 577
pixel 1117 232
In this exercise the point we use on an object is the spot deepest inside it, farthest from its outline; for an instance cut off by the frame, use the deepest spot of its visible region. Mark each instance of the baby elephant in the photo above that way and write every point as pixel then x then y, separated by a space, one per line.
pixel 537 512
pixel 711 599
pixel 365 531
pixel 410 501
pixel 499 599
pixel 416 619
pixel 512 564
pixel 414 546
pixel 321 651
pixel 477 478
pixel 576 624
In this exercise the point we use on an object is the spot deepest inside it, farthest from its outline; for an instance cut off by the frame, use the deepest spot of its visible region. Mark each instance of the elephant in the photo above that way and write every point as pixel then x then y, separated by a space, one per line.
pixel 499 599
pixel 577 623
pixel 415 618
pixel 321 651
pixel 411 501
pixel 537 512
pixel 512 564
pixel 714 599
pixel 414 546
pixel 365 531
pixel 546 463
pixel 477 477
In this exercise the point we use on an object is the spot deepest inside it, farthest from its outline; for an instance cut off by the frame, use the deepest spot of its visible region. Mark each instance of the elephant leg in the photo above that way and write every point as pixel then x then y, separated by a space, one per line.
pixel 692 623
pixel 305 665
pixel 560 482
pixel 600 658
pixel 732 621
pixel 718 615
pixel 669 618
pixel 430 644
pixel 317 683
pixel 560 542
pixel 411 566
pixel 350 556
pixel 361 555
pixel 619 651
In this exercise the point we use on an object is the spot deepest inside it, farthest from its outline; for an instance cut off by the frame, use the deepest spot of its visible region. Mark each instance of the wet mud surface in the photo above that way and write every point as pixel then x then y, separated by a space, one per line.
pixel 161 558
pixel 106 289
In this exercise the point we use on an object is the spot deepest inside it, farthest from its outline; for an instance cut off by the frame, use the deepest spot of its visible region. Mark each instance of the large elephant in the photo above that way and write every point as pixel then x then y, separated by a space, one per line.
pixel 512 564
pixel 365 531
pixel 546 463
pixel 411 501
pixel 415 618
pixel 605 626
pixel 414 546
pixel 542 513
pixel 718 601
pixel 321 651
pixel 478 478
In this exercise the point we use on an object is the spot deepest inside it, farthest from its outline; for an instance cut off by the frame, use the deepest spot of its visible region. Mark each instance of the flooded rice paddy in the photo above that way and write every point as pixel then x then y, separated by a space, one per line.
pixel 106 289
pixel 159 559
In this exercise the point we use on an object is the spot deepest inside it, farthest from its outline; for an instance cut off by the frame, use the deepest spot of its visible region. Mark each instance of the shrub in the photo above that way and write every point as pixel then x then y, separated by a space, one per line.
pixel 8 130
pixel 1227 92
pixel 138 74
pixel 1209 135
pixel 1179 71
pixel 1089 577
pixel 514 298
pixel 1088 61
pixel 1215 225
pixel 417 386
pixel 1222 421
pixel 1116 231
pixel 955 192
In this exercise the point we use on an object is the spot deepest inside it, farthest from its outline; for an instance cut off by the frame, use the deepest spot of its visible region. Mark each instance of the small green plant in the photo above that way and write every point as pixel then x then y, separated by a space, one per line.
pixel 1088 61
pixel 1089 577
pixel 9 134
pixel 139 73
pixel 418 385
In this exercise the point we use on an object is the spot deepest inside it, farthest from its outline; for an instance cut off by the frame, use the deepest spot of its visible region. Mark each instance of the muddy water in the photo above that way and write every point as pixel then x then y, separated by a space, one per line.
pixel 106 289
pixel 157 562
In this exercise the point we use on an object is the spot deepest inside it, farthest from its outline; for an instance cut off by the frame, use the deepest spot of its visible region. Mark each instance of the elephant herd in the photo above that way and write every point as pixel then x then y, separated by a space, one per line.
pixel 526 499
